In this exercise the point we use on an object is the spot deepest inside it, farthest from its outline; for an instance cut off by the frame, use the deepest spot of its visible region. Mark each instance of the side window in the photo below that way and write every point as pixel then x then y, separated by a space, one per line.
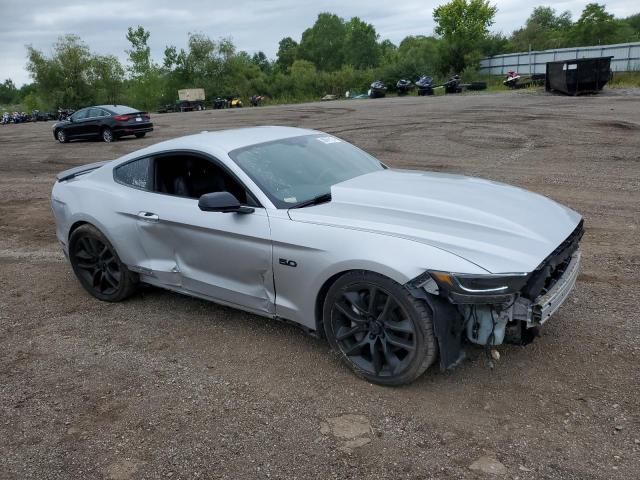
pixel 192 176
pixel 80 114
pixel 135 174
pixel 104 113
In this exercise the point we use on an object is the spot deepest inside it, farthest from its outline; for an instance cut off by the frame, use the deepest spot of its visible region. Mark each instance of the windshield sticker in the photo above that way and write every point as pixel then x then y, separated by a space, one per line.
pixel 328 140
pixel 291 199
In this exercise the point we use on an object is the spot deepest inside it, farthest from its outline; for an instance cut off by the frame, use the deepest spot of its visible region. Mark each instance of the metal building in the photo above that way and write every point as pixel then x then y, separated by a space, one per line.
pixel 626 57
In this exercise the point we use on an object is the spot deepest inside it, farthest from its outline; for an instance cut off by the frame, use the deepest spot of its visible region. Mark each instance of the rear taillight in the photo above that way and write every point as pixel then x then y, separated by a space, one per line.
pixel 146 116
pixel 122 118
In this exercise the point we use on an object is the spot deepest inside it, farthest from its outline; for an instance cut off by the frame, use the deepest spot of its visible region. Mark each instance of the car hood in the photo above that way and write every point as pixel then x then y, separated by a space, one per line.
pixel 498 227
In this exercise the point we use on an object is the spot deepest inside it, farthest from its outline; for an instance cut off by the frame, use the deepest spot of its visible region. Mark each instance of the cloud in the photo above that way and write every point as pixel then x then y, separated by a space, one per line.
pixel 253 24
pixel 80 14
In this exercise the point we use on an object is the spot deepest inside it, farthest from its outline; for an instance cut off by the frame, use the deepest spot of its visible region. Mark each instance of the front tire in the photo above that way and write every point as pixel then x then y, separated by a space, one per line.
pixel 107 135
pixel 98 267
pixel 62 136
pixel 379 329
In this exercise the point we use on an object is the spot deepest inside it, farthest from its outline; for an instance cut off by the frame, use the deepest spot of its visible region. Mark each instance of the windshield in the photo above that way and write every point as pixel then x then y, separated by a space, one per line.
pixel 296 170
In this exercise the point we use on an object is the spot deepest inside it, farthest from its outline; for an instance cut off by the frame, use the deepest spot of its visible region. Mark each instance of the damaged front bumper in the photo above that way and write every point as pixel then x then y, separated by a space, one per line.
pixel 493 319
pixel 516 321
pixel 537 312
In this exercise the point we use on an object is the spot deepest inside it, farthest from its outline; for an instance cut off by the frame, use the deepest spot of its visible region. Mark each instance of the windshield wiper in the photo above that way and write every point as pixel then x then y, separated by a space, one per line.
pixel 325 197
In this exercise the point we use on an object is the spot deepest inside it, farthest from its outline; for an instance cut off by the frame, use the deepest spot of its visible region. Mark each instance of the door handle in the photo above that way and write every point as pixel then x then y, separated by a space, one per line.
pixel 148 217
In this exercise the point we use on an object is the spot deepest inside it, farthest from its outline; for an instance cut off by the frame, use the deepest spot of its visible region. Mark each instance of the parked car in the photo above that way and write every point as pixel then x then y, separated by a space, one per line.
pixel 108 122
pixel 38 116
pixel 394 267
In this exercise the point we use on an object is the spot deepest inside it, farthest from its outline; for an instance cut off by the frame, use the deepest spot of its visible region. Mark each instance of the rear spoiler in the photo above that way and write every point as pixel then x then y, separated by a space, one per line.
pixel 81 170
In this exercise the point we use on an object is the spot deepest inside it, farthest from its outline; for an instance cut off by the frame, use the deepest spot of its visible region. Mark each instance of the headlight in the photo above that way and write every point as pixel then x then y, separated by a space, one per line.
pixel 474 288
pixel 467 283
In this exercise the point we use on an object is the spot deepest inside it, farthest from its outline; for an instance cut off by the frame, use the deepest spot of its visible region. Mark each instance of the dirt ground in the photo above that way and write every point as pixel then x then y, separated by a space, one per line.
pixel 167 386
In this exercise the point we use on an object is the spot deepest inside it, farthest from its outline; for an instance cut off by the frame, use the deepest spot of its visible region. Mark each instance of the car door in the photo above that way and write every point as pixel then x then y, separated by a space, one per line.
pixel 150 252
pixel 76 127
pixel 93 121
pixel 226 257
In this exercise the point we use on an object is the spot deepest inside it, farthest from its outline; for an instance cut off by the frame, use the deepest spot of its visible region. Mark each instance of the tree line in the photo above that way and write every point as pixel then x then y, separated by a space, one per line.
pixel 332 56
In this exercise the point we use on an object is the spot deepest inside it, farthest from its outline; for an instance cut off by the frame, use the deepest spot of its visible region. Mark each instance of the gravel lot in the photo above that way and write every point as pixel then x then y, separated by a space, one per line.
pixel 167 386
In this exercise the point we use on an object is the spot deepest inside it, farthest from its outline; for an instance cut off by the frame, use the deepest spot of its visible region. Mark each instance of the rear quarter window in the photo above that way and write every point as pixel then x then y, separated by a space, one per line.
pixel 122 110
pixel 135 174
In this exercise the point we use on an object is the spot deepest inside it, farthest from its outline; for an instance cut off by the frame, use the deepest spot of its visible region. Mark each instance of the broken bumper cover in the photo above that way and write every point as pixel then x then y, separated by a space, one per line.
pixel 543 307
pixel 449 323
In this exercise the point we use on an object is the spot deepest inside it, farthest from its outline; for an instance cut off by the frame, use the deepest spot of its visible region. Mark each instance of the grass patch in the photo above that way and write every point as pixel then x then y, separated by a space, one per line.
pixel 625 80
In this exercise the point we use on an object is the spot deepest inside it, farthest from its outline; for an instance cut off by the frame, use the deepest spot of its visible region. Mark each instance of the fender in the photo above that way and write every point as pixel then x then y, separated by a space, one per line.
pixel 447 325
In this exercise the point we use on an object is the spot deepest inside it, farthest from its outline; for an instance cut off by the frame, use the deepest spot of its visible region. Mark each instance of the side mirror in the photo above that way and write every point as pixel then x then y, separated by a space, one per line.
pixel 223 202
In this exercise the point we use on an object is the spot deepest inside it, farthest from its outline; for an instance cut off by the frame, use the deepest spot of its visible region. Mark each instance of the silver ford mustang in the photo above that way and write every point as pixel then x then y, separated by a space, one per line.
pixel 396 268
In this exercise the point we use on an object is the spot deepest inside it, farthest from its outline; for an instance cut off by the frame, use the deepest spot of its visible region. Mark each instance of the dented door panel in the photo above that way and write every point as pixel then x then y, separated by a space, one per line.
pixel 226 256
pixel 222 256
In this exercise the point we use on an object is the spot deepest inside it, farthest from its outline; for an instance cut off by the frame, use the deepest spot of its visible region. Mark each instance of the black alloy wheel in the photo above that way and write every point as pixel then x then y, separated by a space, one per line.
pixel 98 267
pixel 381 331
pixel 107 135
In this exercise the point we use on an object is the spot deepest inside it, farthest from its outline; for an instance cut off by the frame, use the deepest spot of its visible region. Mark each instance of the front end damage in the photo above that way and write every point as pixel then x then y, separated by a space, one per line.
pixel 494 309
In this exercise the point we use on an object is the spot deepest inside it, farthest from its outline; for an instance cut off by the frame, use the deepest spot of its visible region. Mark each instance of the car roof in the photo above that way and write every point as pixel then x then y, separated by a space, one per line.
pixel 227 140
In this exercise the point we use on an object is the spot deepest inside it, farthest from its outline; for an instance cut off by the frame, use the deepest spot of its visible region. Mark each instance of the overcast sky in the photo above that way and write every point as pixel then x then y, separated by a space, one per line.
pixel 253 24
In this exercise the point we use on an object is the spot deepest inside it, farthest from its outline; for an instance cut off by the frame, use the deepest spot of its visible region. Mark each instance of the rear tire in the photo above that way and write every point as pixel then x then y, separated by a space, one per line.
pixel 107 135
pixel 141 134
pixel 98 267
pixel 381 331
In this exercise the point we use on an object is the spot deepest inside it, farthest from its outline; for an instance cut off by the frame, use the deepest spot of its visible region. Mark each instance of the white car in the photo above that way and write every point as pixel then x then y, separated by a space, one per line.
pixel 396 268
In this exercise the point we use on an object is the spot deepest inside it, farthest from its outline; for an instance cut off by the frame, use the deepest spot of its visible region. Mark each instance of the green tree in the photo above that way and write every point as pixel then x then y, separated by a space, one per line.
pixel 199 61
pixel 287 53
pixel 323 43
pixel 8 92
pixel 145 86
pixel 28 97
pixel 543 29
pixel 417 56
pixel 597 27
pixel 226 48
pixel 361 49
pixel 140 52
pixel 261 61
pixel 494 44
pixel 64 78
pixel 106 78
pixel 634 22
pixel 387 49
pixel 170 59
pixel 462 24
pixel 303 77
pixel 201 58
